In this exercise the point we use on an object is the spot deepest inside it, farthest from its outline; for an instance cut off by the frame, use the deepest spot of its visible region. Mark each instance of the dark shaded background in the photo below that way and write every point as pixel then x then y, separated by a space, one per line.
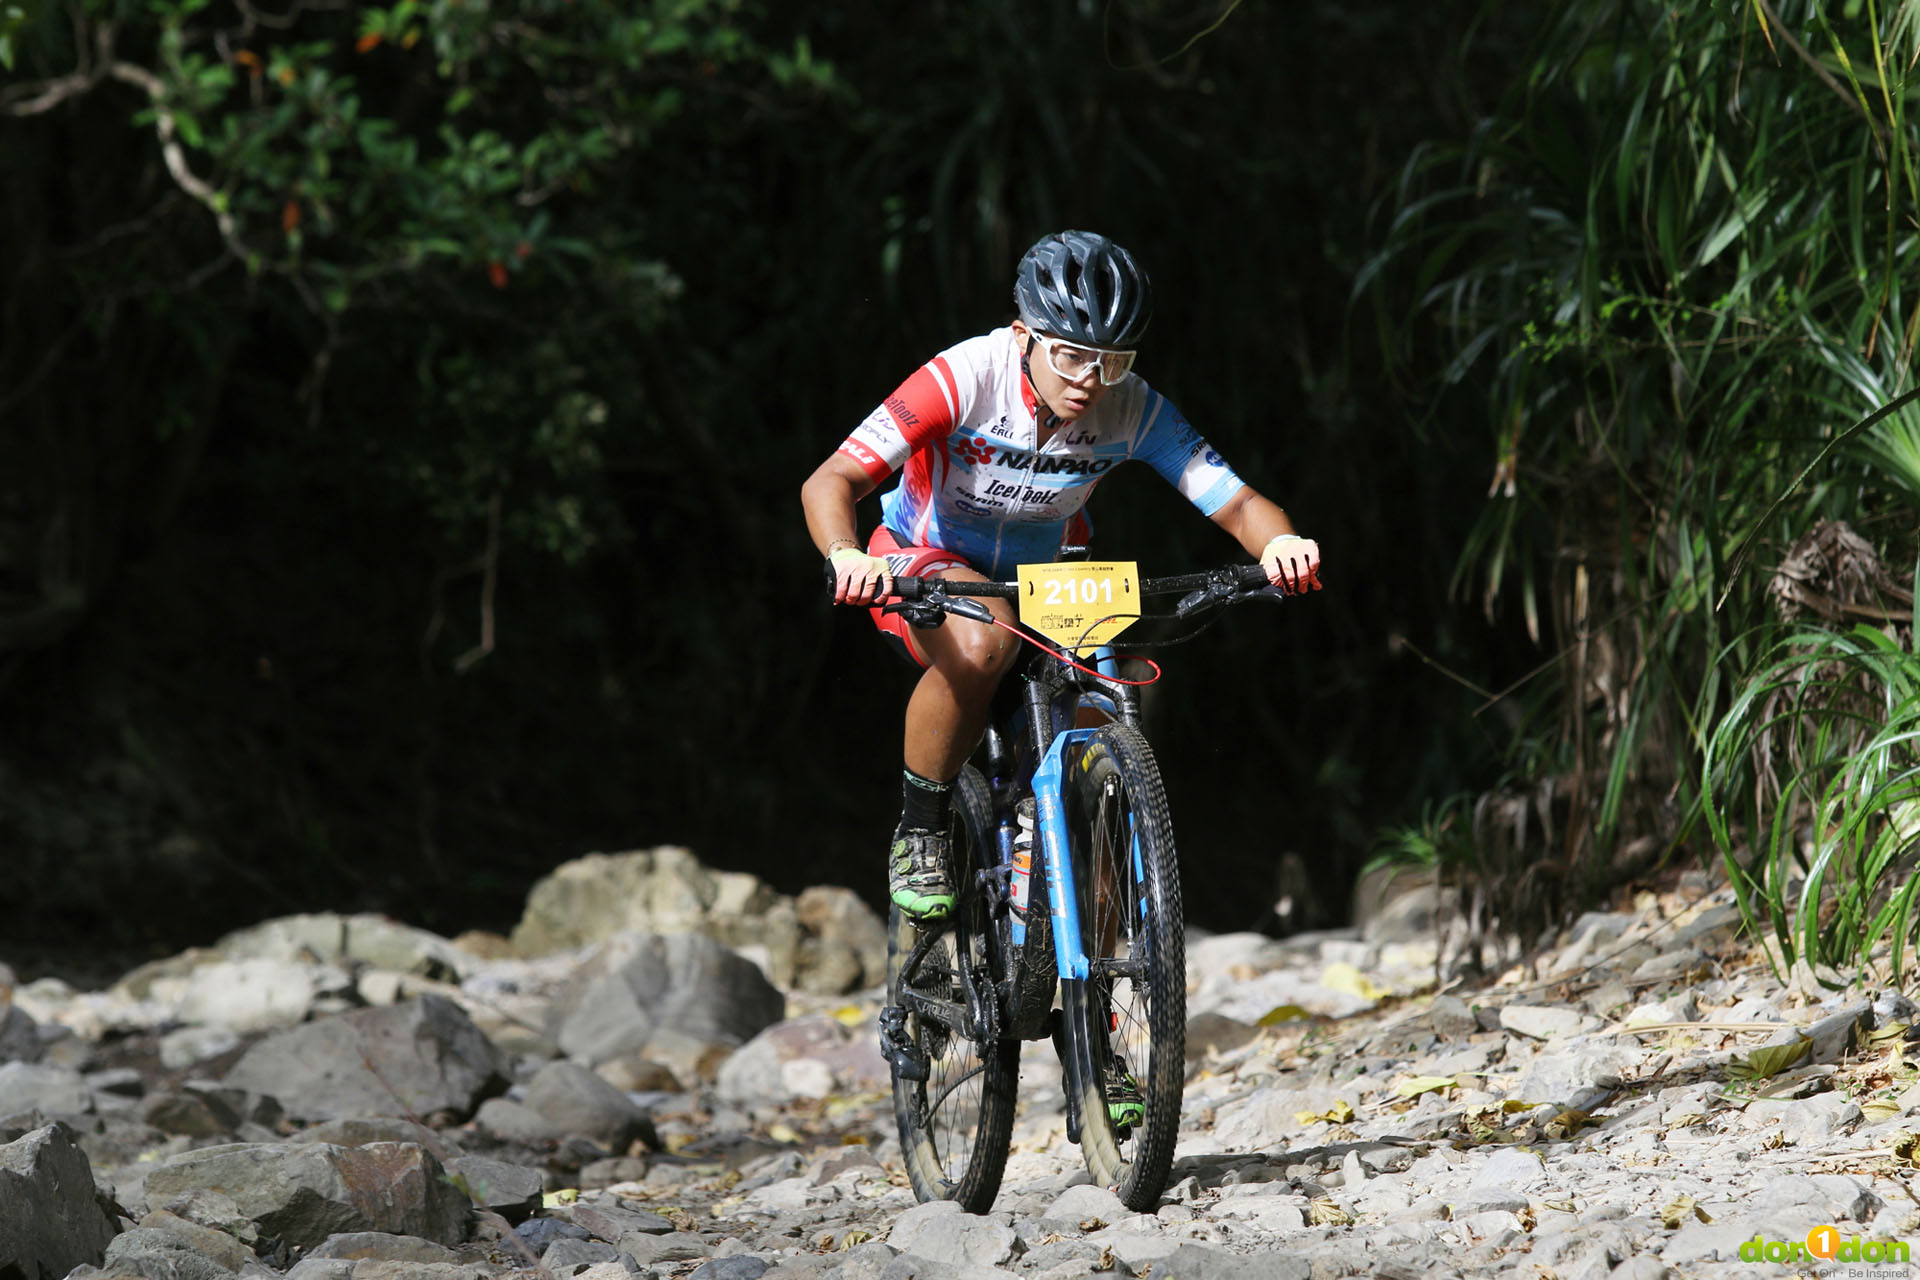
pixel 259 709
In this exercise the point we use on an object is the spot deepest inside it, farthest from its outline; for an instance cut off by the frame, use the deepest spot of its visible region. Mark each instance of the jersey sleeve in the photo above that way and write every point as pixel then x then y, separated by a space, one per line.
pixel 922 409
pixel 1171 446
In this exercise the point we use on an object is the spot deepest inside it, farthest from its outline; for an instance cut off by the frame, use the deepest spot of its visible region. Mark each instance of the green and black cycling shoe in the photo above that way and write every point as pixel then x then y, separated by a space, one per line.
pixel 1126 1106
pixel 918 881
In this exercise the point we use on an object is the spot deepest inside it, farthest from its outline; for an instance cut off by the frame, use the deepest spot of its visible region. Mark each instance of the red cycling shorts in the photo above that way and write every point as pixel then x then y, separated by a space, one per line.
pixel 906 562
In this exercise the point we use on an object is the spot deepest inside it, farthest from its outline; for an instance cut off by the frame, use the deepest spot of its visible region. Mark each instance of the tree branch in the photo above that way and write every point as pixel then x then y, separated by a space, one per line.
pixel 174 154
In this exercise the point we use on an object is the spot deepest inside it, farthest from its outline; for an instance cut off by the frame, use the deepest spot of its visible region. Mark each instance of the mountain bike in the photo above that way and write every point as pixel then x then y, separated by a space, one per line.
pixel 1064 757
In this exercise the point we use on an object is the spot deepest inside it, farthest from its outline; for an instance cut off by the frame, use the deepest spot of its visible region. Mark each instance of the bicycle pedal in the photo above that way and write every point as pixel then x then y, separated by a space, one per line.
pixel 902 1055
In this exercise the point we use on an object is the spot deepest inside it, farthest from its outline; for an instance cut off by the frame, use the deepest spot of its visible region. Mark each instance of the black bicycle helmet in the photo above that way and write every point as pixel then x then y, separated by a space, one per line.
pixel 1084 288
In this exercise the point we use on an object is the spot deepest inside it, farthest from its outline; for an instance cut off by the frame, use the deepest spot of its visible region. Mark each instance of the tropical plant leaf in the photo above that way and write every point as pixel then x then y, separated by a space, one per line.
pixel 1770 1061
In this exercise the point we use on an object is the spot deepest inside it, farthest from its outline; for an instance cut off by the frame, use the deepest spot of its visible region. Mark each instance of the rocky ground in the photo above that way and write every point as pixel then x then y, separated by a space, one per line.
pixel 673 1072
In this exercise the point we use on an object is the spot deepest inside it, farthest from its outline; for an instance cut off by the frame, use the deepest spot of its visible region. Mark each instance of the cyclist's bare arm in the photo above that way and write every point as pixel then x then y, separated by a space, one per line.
pixel 1255 521
pixel 828 497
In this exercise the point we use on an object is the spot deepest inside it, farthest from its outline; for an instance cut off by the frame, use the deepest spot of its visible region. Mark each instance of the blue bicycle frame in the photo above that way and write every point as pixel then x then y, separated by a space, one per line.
pixel 1069 954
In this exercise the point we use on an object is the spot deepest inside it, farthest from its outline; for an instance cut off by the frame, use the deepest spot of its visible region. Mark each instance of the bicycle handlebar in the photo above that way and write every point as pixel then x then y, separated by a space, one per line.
pixel 1234 577
pixel 1198 591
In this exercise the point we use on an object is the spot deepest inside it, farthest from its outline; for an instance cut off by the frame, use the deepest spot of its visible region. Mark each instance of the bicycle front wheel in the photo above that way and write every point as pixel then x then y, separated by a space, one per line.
pixel 1126 1021
pixel 953 1092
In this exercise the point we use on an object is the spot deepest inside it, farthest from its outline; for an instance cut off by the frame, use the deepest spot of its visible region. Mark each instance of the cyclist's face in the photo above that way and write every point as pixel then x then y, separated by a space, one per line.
pixel 1068 399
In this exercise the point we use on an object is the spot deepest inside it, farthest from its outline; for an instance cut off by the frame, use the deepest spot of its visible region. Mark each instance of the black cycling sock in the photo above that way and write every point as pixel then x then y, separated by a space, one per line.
pixel 926 804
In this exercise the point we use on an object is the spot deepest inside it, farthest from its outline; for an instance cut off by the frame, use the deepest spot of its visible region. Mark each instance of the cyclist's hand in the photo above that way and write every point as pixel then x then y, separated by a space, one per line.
pixel 858 578
pixel 1292 563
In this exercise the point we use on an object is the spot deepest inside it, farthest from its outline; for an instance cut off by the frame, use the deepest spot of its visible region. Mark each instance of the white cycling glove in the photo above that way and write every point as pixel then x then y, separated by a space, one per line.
pixel 1292 563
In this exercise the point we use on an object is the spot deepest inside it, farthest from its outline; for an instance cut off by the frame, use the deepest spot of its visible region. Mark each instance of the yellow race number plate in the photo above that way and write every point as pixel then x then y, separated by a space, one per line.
pixel 1080 605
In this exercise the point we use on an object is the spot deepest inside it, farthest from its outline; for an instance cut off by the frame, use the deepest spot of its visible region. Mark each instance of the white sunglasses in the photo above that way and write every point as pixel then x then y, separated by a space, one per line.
pixel 1072 363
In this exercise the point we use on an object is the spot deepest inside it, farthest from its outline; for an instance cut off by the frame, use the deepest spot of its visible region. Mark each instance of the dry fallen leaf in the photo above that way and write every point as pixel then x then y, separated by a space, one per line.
pixel 1339 1113
pixel 1282 1013
pixel 1424 1084
pixel 1325 1213
pixel 1567 1123
pixel 1346 978
pixel 1679 1210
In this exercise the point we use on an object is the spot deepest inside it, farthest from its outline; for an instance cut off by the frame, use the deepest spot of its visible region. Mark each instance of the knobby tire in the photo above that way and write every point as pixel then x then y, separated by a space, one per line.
pixel 1134 1001
pixel 957 1125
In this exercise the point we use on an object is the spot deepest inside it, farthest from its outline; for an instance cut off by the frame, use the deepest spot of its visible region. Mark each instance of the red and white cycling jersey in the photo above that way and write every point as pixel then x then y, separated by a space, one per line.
pixel 978 483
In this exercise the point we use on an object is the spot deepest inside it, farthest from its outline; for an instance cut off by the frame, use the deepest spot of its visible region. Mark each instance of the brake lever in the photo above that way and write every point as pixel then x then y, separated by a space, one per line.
pixel 1194 601
pixel 1221 588
pixel 922 615
pixel 931 609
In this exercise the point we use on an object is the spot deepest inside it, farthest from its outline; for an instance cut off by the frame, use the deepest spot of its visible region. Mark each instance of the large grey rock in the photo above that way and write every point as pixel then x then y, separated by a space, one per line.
pixel 161 1255
pixel 247 995
pixel 510 1190
pixel 741 1266
pixel 566 1257
pixel 808 1057
pixel 1510 1168
pixel 303 1193
pixel 1085 1203
pixel 826 941
pixel 1544 1022
pixel 43 1087
pixel 1563 1071
pixel 19 1034
pixel 649 1248
pixel 612 1223
pixel 203 1240
pixel 843 945
pixel 381 1246
pixel 517 1122
pixel 578 1101
pixel 664 890
pixel 408 1059
pixel 686 982
pixel 50 1220
pixel 940 1230
pixel 371 940
pixel 1823 1196
pixel 1198 1262
pixel 358 1131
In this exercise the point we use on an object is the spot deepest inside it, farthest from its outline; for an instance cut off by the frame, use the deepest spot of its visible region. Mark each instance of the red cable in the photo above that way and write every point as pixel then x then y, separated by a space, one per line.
pixel 1075 665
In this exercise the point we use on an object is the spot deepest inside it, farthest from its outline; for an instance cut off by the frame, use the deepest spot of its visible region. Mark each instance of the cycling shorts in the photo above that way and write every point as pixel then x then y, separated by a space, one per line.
pixel 906 562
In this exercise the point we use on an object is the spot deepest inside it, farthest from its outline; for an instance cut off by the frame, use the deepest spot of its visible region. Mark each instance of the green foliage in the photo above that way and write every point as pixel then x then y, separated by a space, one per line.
pixel 14 15
pixel 1674 262
pixel 1814 785
pixel 404 328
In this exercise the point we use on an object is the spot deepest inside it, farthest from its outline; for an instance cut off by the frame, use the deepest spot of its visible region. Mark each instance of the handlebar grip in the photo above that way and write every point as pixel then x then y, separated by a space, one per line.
pixel 1252 575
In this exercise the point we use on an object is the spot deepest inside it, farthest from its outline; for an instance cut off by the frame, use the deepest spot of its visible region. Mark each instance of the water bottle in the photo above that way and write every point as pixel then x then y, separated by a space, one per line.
pixel 1020 887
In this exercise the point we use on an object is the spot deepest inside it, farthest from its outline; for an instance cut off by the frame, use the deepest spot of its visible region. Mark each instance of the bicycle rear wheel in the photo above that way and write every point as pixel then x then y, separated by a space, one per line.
pixel 956 1119
pixel 1126 1021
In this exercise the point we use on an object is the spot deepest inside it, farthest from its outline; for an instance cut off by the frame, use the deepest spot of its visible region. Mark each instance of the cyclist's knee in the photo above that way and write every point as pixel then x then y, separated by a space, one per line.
pixel 979 656
pixel 991 652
